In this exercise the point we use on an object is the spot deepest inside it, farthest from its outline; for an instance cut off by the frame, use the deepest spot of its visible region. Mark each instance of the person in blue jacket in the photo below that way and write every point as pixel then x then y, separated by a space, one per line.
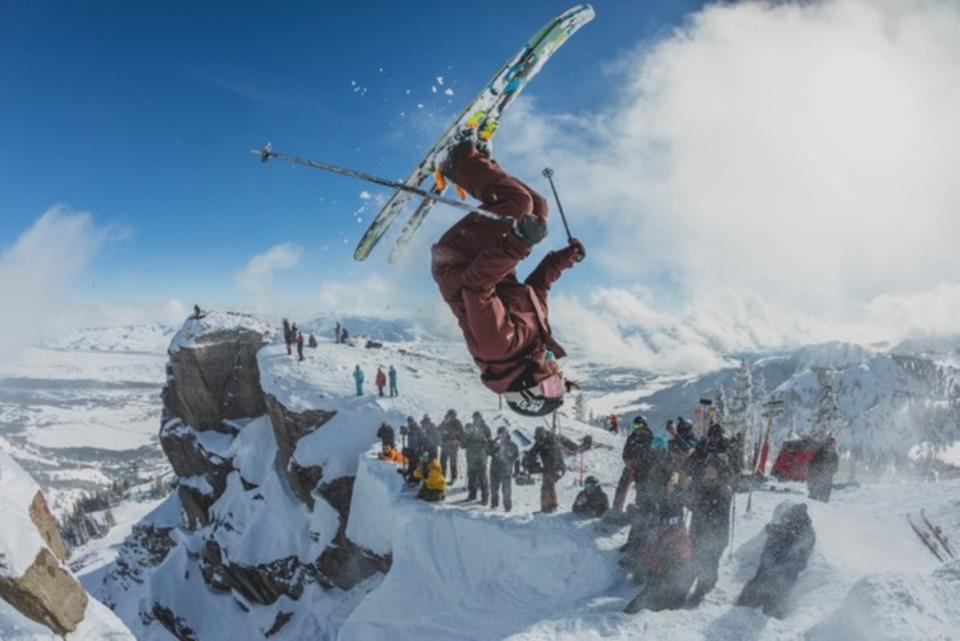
pixel 358 379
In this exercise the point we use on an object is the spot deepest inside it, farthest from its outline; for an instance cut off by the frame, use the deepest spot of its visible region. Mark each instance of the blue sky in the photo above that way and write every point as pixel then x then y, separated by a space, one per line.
pixel 141 113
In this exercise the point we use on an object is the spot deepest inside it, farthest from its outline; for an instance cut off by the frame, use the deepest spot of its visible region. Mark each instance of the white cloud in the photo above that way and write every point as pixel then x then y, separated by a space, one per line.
pixel 36 273
pixel 797 157
pixel 256 277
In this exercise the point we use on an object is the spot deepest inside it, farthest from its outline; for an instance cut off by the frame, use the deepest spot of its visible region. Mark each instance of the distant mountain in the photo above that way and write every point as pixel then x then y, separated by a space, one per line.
pixel 885 399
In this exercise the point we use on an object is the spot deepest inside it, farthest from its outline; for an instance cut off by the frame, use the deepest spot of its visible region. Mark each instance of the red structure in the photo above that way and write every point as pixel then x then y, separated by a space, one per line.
pixel 791 463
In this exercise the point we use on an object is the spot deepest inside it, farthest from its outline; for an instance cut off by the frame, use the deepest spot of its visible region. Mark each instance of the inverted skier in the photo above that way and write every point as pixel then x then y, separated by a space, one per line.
pixel 505 321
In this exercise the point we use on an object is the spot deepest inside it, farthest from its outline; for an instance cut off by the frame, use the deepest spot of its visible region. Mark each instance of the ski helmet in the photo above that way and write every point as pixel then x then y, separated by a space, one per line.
pixel 684 426
pixel 640 421
pixel 590 481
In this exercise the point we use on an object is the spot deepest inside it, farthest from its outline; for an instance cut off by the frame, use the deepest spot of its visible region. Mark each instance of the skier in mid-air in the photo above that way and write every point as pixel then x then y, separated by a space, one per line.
pixel 504 321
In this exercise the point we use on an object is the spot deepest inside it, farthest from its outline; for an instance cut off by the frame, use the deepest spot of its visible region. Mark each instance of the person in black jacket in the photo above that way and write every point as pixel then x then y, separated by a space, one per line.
pixel 548 450
pixel 386 436
pixel 710 493
pixel 503 456
pixel 451 434
pixel 476 442
pixel 592 501
pixel 413 446
pixel 820 470
pixel 636 459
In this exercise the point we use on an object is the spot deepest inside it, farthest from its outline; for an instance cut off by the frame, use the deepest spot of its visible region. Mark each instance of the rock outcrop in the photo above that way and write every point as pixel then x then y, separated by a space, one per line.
pixel 212 372
pixel 249 526
pixel 33 577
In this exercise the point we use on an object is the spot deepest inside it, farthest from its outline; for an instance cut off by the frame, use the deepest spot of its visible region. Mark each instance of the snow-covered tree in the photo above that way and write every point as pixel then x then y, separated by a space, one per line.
pixel 760 394
pixel 740 408
pixel 720 404
pixel 580 411
pixel 828 417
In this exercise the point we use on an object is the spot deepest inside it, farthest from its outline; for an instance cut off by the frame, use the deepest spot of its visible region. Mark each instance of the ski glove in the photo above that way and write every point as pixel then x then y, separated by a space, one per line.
pixel 572 253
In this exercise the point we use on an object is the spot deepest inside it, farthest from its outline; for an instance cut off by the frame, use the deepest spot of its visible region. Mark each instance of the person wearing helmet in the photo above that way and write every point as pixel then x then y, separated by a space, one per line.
pixel 547 448
pixel 711 475
pixel 451 434
pixel 503 457
pixel 592 501
pixel 636 455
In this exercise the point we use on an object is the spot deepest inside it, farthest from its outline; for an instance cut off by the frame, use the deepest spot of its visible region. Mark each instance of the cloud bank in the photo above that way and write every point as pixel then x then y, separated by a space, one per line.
pixel 792 164
pixel 37 271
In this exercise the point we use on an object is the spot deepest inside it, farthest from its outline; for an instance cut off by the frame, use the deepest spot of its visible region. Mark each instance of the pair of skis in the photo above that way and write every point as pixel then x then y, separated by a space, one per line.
pixel 483 113
pixel 933 537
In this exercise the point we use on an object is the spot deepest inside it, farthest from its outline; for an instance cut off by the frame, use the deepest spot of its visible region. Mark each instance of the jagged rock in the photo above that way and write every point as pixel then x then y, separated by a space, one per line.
pixel 288 428
pixel 338 494
pixel 191 460
pixel 282 618
pixel 174 624
pixel 187 455
pixel 213 374
pixel 262 584
pixel 47 526
pixel 196 506
pixel 47 593
pixel 346 564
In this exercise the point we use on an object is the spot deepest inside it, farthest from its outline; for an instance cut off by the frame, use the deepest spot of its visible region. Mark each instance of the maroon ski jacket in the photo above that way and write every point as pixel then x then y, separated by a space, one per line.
pixel 504 321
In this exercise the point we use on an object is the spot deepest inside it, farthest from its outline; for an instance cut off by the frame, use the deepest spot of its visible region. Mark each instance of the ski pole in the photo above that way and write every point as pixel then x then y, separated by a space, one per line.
pixel 548 174
pixel 733 522
pixel 267 153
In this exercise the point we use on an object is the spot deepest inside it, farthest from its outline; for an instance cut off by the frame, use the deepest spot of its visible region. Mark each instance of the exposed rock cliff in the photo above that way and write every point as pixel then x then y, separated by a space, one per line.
pixel 262 531
pixel 35 586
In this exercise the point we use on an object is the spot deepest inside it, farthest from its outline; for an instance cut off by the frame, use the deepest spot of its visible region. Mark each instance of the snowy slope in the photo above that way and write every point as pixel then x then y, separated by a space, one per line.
pixel 461 571
pixel 484 575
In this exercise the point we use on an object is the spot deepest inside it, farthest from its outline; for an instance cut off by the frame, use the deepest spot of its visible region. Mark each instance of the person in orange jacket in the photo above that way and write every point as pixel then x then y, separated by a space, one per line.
pixel 390 453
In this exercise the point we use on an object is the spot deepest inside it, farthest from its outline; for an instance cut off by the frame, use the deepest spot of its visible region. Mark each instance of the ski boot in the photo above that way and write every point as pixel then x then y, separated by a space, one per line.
pixel 477 132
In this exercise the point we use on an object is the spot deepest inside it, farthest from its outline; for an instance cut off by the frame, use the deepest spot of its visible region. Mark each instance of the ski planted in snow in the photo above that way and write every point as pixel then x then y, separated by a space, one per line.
pixel 926 537
pixel 938 533
pixel 489 104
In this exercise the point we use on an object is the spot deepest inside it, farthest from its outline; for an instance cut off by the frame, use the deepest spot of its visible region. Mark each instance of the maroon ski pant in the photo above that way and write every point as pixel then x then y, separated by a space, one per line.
pixel 477 252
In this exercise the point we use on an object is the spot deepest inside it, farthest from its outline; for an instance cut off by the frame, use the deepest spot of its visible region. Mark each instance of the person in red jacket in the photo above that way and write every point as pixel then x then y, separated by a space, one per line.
pixel 504 321
pixel 381 380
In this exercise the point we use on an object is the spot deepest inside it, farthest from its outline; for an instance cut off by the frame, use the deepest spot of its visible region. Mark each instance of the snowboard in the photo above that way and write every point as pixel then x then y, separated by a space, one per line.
pixel 502 89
